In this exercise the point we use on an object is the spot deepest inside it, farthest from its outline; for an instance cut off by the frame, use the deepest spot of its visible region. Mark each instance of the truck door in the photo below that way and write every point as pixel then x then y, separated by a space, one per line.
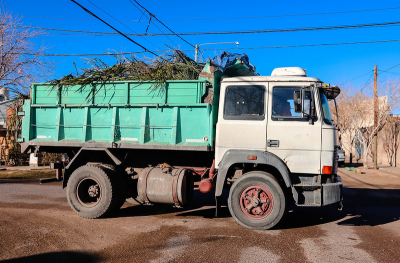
pixel 290 135
pixel 242 121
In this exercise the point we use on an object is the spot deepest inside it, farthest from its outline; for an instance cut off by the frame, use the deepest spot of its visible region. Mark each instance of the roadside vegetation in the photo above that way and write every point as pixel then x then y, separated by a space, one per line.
pixel 21 61
pixel 27 174
pixel 356 120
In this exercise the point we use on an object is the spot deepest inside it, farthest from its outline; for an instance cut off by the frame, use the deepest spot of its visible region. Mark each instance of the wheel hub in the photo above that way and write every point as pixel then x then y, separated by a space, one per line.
pixel 256 202
pixel 88 192
pixel 93 190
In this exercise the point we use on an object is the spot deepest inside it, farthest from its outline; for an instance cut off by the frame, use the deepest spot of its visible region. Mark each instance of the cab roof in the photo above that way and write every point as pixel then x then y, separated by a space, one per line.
pixel 286 74
pixel 271 79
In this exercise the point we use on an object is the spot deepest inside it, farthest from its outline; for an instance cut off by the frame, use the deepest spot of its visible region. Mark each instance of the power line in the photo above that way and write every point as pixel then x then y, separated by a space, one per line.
pixel 222 32
pixel 232 18
pixel 152 22
pixel 378 74
pixel 83 55
pixel 355 78
pixel 394 73
pixel 122 23
pixel 367 82
pixel 152 15
pixel 130 39
pixel 79 19
pixel 288 15
pixel 235 48
pixel 312 45
pixel 389 69
pixel 287 30
pixel 67 30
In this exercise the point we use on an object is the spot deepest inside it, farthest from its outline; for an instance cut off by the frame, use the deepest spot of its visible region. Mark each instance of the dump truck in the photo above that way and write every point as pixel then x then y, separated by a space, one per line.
pixel 268 140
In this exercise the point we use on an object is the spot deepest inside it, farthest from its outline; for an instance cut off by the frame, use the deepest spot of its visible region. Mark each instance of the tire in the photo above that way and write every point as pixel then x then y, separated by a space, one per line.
pixel 121 193
pixel 119 183
pixel 94 191
pixel 250 213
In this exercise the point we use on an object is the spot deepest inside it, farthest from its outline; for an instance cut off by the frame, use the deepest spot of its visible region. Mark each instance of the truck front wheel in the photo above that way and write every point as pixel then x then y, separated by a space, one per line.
pixel 256 201
pixel 92 191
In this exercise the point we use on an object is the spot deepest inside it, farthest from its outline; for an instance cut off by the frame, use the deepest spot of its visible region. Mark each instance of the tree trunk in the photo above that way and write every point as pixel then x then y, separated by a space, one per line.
pixel 365 160
pixel 365 154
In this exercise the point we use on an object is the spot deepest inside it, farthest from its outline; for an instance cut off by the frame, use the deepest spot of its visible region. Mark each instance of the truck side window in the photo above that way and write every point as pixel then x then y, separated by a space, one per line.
pixel 283 105
pixel 244 103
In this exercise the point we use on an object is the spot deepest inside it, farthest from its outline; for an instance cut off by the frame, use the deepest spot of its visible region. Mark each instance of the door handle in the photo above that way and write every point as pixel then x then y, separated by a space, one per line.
pixel 273 143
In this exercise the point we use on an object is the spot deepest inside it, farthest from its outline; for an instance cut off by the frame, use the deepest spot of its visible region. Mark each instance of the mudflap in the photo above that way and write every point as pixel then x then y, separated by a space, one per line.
pixel 332 192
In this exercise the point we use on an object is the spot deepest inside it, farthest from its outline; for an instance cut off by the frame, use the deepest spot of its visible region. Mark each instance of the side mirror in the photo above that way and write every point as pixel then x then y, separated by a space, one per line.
pixel 297 101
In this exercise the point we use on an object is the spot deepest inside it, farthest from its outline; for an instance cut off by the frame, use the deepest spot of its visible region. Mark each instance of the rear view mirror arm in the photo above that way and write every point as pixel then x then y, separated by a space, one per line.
pixel 337 115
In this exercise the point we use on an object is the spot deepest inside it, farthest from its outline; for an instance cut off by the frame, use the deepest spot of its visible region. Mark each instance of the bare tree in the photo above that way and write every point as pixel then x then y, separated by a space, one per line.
pixel 390 137
pixel 361 113
pixel 347 131
pixel 21 61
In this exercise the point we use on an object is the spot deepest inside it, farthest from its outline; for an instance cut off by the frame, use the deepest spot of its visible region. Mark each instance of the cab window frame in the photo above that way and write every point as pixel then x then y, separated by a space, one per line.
pixel 291 118
pixel 259 117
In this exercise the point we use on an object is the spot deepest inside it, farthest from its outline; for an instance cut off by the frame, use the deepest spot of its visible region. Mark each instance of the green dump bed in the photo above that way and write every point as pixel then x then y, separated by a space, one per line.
pixel 121 114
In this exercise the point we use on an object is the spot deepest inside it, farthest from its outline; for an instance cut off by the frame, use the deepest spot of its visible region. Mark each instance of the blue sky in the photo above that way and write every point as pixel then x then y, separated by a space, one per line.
pixel 332 64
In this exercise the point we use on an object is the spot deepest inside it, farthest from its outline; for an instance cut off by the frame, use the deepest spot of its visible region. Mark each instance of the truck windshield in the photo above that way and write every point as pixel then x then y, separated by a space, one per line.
pixel 325 109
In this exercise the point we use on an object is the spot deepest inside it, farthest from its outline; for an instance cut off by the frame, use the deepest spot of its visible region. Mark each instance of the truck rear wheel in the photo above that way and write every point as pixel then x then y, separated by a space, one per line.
pixel 257 201
pixel 93 191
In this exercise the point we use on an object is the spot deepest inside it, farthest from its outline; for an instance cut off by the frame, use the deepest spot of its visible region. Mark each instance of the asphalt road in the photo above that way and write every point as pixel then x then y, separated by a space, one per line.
pixel 37 225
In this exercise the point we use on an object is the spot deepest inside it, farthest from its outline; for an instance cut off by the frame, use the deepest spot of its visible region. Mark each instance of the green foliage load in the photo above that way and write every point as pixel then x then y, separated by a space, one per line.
pixel 173 67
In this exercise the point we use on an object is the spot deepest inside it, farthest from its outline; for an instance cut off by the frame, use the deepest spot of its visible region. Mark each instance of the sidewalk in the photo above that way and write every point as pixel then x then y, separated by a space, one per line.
pixel 391 169
pixel 383 170
pixel 23 168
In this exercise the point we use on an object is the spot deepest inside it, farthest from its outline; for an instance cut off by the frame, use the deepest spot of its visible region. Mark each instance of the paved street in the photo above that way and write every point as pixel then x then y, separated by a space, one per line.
pixel 36 224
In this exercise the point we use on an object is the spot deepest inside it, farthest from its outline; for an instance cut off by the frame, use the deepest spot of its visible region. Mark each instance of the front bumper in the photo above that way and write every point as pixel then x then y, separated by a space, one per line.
pixel 307 193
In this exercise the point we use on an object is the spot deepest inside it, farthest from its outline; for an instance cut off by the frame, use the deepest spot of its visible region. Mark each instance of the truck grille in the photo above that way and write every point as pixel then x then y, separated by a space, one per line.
pixel 335 160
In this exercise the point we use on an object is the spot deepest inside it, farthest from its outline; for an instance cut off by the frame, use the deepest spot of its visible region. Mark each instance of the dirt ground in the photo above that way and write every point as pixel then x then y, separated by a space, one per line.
pixel 37 225
pixel 20 174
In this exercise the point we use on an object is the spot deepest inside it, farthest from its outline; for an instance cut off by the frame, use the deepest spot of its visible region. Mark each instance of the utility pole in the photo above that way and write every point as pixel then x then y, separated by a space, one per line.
pixel 375 117
pixel 196 52
pixel 396 135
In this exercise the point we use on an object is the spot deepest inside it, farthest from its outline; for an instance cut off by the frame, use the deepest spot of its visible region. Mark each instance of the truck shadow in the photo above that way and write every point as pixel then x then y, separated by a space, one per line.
pixel 362 207
pixel 59 257
pixel 203 205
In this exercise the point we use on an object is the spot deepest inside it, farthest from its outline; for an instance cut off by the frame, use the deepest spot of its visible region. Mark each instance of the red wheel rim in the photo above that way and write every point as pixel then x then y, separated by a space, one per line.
pixel 256 202
pixel 88 192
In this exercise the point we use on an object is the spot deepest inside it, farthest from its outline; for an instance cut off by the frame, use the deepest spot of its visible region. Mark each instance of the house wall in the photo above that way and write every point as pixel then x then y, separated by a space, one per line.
pixel 382 156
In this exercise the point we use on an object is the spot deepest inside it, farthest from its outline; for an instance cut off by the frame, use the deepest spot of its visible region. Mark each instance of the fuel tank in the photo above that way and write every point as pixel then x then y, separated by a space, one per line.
pixel 165 186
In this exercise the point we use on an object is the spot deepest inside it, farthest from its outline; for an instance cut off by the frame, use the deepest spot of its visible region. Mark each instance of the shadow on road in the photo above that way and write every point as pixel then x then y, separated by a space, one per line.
pixel 59 257
pixel 203 205
pixel 361 207
pixel 18 180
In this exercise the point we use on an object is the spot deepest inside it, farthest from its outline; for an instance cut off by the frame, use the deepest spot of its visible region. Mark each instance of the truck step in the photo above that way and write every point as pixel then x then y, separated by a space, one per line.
pixel 307 185
pixel 308 204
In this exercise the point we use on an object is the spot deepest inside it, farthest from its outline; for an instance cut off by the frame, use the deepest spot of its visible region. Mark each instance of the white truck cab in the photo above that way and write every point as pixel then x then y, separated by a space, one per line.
pixel 258 113
pixel 283 119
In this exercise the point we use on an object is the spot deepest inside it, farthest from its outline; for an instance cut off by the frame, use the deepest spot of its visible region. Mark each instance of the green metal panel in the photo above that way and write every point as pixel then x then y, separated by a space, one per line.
pixel 26 121
pixel 75 95
pixel 111 93
pixel 121 92
pixel 120 112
